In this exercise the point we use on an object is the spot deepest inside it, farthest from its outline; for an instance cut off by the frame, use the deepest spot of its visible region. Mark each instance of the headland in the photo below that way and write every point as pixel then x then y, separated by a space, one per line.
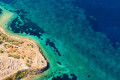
pixel 20 57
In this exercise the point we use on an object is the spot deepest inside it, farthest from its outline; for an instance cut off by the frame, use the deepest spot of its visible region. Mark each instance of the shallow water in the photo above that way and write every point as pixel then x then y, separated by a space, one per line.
pixel 75 49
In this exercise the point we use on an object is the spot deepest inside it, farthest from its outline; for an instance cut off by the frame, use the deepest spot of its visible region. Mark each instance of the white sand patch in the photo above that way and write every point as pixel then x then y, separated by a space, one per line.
pixel 5 16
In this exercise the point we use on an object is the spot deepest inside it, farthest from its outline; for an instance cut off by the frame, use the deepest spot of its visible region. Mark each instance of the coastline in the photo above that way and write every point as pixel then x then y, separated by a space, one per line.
pixel 4 23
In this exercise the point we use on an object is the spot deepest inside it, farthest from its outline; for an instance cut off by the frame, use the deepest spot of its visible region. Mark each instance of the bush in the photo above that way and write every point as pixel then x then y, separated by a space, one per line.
pixel 27 61
pixel 28 65
pixel 1 42
pixel 29 58
pixel 19 75
pixel 22 57
pixel 33 72
pixel 8 78
pixel 5 45
pixel 14 56
pixel 3 37
pixel 1 51
pixel 21 42
pixel 9 55
pixel 30 45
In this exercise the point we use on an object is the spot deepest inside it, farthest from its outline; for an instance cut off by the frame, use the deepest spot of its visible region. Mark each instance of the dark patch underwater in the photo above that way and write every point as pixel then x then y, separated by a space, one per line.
pixel 65 77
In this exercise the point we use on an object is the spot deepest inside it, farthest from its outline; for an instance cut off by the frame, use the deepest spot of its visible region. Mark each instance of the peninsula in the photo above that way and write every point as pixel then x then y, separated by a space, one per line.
pixel 20 57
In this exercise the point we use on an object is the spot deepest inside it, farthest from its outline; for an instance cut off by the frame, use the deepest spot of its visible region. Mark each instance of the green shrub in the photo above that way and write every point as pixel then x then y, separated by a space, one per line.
pixel 14 56
pixel 28 65
pixel 29 58
pixel 33 72
pixel 8 78
pixel 30 45
pixel 9 55
pixel 1 51
pixel 1 42
pixel 27 61
pixel 19 75
pixel 21 42
pixel 3 37
pixel 22 57
pixel 5 45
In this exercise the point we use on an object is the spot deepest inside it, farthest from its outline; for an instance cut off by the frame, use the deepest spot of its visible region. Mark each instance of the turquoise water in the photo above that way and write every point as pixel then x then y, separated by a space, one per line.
pixel 74 50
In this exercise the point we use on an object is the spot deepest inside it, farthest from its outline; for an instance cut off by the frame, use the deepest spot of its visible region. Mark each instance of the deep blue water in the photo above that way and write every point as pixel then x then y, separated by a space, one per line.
pixel 107 14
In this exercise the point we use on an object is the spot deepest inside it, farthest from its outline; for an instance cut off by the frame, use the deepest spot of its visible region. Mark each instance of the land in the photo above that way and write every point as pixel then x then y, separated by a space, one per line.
pixel 19 56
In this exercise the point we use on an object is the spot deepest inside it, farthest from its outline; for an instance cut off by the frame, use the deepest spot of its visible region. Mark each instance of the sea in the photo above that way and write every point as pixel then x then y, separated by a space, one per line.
pixel 80 38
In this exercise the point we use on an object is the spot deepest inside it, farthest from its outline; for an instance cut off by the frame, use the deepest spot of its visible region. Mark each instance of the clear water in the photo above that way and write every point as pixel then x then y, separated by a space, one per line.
pixel 78 37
